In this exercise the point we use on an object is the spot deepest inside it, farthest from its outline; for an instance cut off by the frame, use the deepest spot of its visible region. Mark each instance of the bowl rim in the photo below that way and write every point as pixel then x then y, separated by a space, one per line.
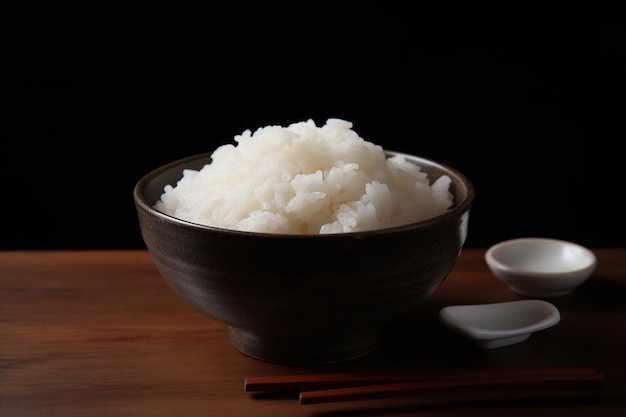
pixel 494 262
pixel 463 206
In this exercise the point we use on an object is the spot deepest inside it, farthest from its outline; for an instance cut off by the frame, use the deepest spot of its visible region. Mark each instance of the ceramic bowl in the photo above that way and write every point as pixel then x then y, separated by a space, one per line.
pixel 303 299
pixel 496 325
pixel 541 267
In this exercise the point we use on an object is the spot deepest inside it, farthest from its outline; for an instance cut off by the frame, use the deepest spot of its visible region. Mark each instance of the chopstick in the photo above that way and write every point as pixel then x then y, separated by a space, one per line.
pixel 414 388
pixel 308 382
pixel 335 387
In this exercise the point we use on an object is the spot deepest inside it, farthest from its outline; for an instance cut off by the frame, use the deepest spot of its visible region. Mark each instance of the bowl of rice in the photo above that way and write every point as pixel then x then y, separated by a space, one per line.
pixel 305 240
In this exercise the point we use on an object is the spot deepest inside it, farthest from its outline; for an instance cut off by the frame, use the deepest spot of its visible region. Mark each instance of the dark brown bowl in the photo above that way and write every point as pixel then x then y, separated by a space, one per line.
pixel 303 299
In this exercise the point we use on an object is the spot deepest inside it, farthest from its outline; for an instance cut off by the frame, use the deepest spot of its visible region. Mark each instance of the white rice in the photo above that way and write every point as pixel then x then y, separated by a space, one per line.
pixel 305 179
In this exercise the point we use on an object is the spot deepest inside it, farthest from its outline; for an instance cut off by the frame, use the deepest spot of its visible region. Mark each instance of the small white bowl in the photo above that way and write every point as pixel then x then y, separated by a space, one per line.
pixel 541 267
pixel 495 325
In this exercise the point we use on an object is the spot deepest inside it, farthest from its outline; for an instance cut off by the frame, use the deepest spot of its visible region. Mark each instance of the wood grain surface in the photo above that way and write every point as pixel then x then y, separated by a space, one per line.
pixel 99 333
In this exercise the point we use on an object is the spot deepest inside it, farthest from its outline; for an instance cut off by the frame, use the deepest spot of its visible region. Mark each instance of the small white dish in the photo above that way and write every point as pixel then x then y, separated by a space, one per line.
pixel 495 325
pixel 541 267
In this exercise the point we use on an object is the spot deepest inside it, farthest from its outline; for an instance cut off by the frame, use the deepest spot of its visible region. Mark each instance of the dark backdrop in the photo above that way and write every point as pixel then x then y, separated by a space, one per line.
pixel 528 104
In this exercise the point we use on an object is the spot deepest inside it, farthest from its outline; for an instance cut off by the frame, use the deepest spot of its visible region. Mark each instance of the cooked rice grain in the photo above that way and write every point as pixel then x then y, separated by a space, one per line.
pixel 305 179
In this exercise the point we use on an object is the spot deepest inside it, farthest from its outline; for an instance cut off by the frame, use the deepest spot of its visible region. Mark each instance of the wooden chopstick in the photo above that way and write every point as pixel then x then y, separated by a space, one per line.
pixel 414 388
pixel 310 382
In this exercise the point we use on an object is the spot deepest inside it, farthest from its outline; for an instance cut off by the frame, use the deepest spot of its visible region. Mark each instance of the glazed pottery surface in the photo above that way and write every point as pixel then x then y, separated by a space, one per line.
pixel 303 299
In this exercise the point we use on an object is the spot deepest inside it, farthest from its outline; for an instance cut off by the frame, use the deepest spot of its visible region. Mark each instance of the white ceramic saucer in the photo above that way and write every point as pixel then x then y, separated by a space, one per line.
pixel 497 325
pixel 540 267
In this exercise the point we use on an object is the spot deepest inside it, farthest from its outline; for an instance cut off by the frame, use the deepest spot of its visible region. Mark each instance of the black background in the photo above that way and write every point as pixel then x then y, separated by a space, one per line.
pixel 528 104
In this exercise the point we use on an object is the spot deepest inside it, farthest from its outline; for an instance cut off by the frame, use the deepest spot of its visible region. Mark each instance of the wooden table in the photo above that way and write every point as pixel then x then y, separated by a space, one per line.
pixel 99 333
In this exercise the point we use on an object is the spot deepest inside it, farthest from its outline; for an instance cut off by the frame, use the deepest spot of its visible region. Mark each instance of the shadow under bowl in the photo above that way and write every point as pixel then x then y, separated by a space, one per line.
pixel 303 299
